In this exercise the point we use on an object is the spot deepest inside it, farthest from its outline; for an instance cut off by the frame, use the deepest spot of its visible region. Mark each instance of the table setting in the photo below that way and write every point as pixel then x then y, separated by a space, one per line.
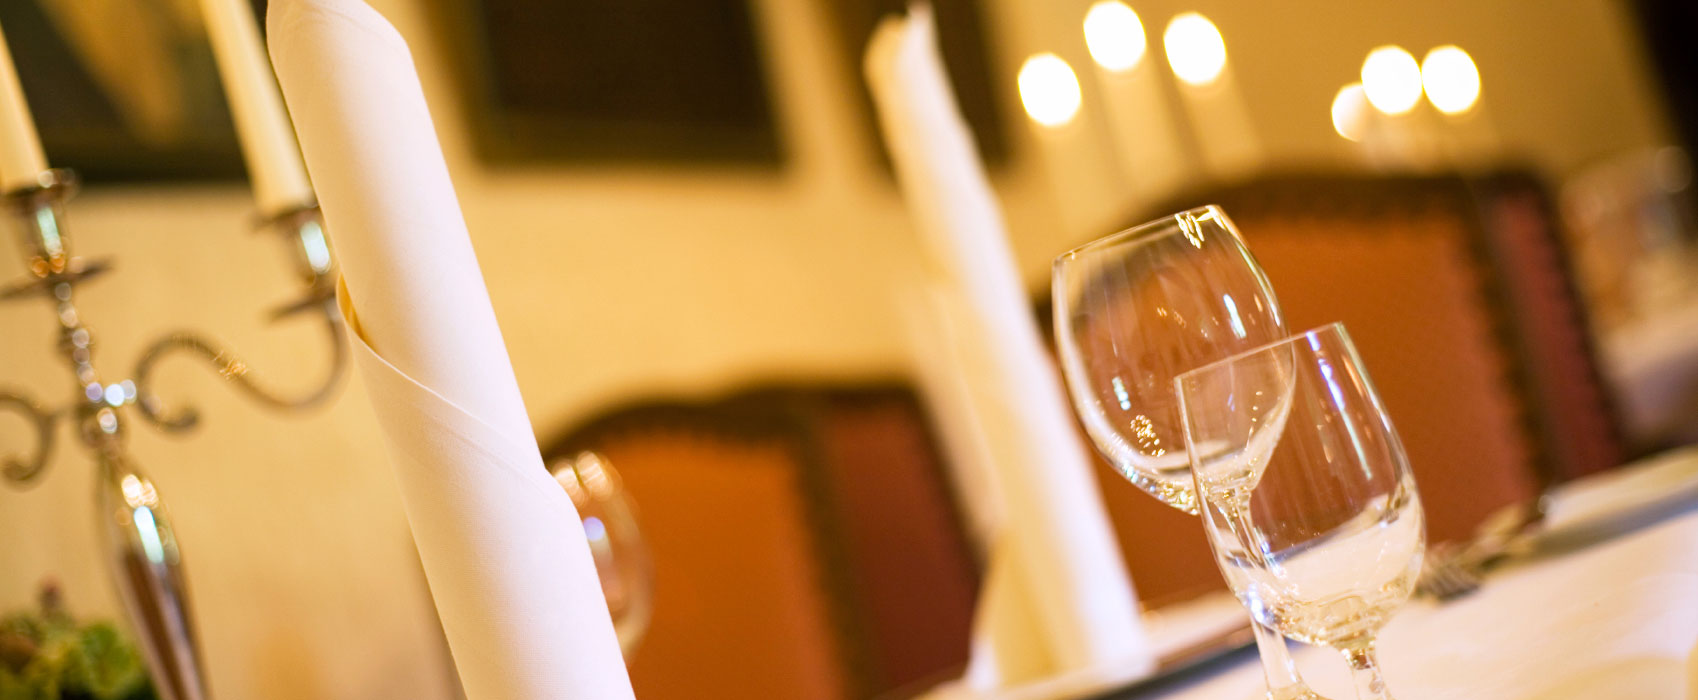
pixel 1179 293
pixel 1605 620
pixel 1168 355
pixel 1597 528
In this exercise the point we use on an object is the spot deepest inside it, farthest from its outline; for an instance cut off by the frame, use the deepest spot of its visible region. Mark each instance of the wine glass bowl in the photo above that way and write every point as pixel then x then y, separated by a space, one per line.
pixel 1324 539
pixel 1135 309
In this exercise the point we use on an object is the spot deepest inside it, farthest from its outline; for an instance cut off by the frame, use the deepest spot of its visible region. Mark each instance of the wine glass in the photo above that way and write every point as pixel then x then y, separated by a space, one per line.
pixel 1306 487
pixel 616 543
pixel 1133 311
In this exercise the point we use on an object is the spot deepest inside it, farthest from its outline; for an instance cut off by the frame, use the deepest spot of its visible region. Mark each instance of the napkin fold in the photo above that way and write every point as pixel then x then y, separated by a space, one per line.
pixel 501 544
pixel 1053 536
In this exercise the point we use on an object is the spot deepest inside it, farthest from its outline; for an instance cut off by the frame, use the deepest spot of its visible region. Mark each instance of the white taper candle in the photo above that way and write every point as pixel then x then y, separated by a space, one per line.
pixel 1081 608
pixel 21 159
pixel 262 125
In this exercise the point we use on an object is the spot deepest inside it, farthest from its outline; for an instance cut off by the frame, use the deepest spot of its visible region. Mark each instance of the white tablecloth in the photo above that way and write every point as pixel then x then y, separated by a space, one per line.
pixel 1617 619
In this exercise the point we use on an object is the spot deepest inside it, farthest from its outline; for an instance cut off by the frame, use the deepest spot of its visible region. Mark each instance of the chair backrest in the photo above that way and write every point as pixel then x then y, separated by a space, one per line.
pixel 913 572
pixel 1408 287
pixel 1457 292
pixel 1164 549
pixel 805 543
pixel 1579 427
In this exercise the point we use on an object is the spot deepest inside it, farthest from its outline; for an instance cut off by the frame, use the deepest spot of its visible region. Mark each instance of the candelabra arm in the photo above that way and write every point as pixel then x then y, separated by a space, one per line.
pixel 237 371
pixel 24 470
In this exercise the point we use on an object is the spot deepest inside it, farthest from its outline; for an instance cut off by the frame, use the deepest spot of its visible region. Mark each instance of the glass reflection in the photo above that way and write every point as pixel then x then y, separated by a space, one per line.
pixel 621 555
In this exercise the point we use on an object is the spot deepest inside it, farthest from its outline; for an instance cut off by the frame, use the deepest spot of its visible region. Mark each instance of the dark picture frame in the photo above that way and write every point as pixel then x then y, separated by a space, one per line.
pixel 570 82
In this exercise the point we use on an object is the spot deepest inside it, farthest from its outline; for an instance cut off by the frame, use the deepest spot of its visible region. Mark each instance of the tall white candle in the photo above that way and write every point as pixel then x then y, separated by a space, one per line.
pixel 21 159
pixel 268 141
pixel 1087 184
pixel 1151 149
pixel 1226 137
pixel 1140 121
pixel 1060 552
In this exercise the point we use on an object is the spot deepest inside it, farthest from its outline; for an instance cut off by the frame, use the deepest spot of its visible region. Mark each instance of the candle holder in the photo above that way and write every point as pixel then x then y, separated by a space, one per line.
pixel 141 544
pixel 303 231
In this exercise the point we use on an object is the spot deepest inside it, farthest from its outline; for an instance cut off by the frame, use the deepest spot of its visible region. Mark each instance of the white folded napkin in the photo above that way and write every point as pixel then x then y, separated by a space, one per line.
pixel 1054 536
pixel 501 544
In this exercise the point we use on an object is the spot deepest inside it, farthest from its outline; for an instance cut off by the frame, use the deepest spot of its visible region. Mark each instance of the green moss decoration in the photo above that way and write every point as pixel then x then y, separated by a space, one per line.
pixel 46 655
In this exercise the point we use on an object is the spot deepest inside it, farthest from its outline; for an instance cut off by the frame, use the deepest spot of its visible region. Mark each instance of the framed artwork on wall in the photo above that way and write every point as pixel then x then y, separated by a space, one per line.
pixel 570 81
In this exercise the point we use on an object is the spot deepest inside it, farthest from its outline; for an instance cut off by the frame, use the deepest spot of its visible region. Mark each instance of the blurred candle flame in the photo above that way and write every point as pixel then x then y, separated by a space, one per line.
pixel 1049 90
pixel 1195 49
pixel 1451 80
pixel 1350 112
pixel 1391 80
pixel 1114 35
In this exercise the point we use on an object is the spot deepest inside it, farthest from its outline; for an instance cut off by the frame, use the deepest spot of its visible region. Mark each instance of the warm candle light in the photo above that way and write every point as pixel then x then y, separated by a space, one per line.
pixel 1149 149
pixel 1225 136
pixel 268 141
pixel 1391 79
pixel 1350 112
pixel 1049 90
pixel 1450 79
pixel 1195 49
pixel 21 159
pixel 1114 35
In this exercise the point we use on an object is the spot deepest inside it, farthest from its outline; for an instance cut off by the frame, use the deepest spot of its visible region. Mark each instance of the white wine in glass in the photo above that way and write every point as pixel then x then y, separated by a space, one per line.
pixel 1325 541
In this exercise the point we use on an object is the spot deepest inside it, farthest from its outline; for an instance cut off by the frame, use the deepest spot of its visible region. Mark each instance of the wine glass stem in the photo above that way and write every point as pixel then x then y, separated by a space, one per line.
pixel 1238 503
pixel 1365 670
pixel 1277 666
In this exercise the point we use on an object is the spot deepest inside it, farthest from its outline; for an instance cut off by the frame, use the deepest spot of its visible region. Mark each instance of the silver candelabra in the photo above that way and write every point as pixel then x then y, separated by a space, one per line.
pixel 142 547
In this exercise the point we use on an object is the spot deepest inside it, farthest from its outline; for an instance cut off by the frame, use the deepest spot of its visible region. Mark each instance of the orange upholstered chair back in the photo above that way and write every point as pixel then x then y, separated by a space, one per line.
pixel 742 598
pixel 1457 292
pixel 1405 286
pixel 1578 427
pixel 805 543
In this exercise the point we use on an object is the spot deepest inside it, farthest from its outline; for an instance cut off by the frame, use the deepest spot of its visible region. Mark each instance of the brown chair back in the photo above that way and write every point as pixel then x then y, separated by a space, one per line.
pixel 1578 427
pixel 1408 284
pixel 1407 288
pixel 805 543
pixel 1458 292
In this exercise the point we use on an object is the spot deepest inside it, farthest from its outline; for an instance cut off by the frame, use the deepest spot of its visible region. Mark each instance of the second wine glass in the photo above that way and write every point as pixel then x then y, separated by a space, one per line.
pixel 1310 503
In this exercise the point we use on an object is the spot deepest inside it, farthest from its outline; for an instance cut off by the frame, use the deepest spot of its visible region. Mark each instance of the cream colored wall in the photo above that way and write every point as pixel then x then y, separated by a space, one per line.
pixel 1563 83
pixel 623 282
pixel 297 551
